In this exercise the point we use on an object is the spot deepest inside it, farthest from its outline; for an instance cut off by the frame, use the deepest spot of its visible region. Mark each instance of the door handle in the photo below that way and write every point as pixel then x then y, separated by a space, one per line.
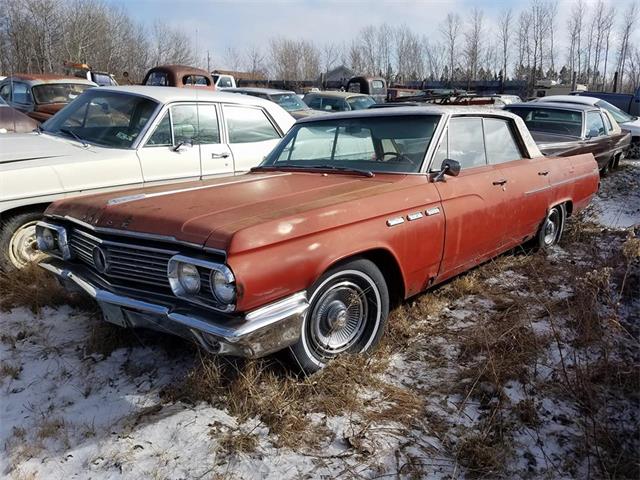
pixel 220 155
pixel 500 182
pixel 544 172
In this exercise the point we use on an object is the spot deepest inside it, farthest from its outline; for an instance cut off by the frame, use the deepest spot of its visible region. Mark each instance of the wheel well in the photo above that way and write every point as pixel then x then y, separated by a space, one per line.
pixel 23 209
pixel 389 267
pixel 568 207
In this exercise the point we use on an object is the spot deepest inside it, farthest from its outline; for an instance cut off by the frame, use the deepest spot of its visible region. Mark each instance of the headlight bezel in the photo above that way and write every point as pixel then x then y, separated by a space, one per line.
pixel 60 240
pixel 204 296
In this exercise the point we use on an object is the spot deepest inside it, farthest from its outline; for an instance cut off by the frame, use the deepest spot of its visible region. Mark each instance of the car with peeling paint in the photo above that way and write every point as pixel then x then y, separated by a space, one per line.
pixel 114 138
pixel 40 96
pixel 349 214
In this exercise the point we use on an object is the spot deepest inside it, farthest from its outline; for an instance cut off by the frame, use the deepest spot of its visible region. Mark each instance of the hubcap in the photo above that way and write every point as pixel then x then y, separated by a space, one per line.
pixel 551 227
pixel 339 318
pixel 23 248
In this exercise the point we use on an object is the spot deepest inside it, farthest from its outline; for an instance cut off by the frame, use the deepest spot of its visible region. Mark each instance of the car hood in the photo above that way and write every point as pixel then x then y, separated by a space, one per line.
pixel 34 146
pixel 307 112
pixel 235 213
pixel 633 127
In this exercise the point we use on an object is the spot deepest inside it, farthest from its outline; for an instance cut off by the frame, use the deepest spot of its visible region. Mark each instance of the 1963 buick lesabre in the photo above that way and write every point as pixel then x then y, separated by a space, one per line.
pixel 349 213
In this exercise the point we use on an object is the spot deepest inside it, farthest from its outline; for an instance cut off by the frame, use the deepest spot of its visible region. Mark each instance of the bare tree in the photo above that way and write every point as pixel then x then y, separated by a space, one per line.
pixel 505 21
pixel 450 31
pixel 629 19
pixel 473 45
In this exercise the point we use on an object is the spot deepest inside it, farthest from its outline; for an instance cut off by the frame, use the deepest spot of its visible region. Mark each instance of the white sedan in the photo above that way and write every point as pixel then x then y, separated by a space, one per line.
pixel 113 138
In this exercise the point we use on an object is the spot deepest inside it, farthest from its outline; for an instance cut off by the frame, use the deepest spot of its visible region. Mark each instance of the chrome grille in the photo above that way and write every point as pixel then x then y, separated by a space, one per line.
pixel 130 262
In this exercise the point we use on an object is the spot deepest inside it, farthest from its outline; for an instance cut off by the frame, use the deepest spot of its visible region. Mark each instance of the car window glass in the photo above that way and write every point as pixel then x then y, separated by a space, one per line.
pixel 595 125
pixel 225 82
pixel 246 125
pixel 184 119
pixel 354 144
pixel 208 131
pixel 21 93
pixel 360 103
pixel 314 142
pixel 442 152
pixel 354 87
pixel 314 102
pixel 501 146
pixel 196 80
pixel 58 92
pixel 333 104
pixel 162 134
pixel 158 79
pixel 550 120
pixel 466 142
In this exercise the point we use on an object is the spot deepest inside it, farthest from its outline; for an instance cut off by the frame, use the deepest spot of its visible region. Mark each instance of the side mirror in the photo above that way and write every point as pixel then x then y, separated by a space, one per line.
pixel 448 167
pixel 593 133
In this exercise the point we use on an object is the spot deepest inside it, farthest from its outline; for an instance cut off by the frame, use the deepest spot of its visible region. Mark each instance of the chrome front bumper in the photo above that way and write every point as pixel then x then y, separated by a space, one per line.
pixel 253 334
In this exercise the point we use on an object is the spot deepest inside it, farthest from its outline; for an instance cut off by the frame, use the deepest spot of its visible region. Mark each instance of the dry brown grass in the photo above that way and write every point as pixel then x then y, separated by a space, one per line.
pixel 51 428
pixel 34 288
pixel 235 442
pixel 266 390
pixel 12 371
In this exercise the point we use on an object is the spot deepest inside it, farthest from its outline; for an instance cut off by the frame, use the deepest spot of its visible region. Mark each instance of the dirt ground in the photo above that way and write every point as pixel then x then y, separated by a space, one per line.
pixel 526 367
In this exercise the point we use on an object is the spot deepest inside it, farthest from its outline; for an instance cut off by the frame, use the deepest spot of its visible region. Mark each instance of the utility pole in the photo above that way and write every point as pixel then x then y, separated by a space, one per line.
pixel 208 62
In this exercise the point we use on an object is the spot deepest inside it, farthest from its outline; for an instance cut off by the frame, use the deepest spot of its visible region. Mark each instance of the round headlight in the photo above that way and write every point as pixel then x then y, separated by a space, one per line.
pixel 46 240
pixel 189 278
pixel 222 287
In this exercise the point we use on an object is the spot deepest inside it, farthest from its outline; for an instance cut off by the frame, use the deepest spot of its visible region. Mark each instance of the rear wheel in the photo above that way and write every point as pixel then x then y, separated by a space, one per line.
pixel 634 150
pixel 348 309
pixel 18 246
pixel 552 227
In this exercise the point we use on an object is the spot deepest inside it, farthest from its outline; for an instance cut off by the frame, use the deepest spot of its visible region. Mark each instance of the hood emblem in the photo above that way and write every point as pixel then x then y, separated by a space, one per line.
pixel 100 260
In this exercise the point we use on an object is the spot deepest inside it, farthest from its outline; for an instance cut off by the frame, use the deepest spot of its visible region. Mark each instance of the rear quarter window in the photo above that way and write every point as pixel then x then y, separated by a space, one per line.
pixel 248 125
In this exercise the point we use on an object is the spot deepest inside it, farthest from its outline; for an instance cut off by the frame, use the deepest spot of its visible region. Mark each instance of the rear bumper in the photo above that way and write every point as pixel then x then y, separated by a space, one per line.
pixel 254 334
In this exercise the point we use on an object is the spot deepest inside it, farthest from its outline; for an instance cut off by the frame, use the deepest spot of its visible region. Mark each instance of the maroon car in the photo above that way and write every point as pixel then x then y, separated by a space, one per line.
pixel 41 96
pixel 564 129
pixel 13 121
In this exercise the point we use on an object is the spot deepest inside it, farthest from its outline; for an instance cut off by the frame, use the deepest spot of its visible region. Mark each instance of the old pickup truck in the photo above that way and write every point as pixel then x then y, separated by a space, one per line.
pixel 349 214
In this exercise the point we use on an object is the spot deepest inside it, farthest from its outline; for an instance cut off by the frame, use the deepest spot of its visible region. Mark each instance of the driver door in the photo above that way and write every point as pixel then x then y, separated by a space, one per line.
pixel 171 153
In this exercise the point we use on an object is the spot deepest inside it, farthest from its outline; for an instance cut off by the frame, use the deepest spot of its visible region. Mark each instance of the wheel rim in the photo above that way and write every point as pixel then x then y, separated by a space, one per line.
pixel 341 314
pixel 551 227
pixel 23 248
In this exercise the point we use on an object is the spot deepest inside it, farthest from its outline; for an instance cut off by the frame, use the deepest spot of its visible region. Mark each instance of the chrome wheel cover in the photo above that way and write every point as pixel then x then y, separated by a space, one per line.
pixel 23 248
pixel 551 227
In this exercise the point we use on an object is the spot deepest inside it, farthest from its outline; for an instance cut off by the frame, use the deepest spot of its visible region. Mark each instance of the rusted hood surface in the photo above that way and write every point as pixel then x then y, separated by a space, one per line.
pixel 236 213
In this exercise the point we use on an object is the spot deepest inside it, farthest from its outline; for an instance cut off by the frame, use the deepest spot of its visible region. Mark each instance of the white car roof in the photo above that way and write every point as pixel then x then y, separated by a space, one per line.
pixel 570 99
pixel 175 94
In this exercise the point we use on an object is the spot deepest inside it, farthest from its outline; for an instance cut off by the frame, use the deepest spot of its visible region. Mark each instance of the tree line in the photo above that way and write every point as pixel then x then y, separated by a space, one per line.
pixel 527 44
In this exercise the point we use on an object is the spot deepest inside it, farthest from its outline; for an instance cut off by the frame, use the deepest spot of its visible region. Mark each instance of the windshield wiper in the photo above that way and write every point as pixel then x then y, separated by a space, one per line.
pixel 74 135
pixel 357 171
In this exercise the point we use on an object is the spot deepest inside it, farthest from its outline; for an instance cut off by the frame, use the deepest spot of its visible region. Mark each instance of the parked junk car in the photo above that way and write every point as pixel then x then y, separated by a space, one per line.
pixel 376 87
pixel 348 214
pixel 563 129
pixel 13 121
pixel 118 137
pixel 223 80
pixel 41 96
pixel 82 70
pixel 330 101
pixel 285 98
pixel 628 102
pixel 626 121
pixel 178 76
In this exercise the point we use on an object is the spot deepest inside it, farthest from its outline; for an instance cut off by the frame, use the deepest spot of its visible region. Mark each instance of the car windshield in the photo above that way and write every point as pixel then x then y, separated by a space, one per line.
pixel 289 101
pixel 619 115
pixel 103 118
pixel 550 120
pixel 103 79
pixel 2 102
pixel 360 103
pixel 58 92
pixel 375 144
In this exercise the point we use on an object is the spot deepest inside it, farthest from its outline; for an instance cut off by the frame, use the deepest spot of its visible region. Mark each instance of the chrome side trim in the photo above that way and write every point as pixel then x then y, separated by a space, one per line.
pixel 392 222
pixel 414 216
pixel 432 211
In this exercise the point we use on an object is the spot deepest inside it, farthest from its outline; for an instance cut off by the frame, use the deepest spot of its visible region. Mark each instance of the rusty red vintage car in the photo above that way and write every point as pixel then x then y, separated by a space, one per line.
pixel 349 214
pixel 181 76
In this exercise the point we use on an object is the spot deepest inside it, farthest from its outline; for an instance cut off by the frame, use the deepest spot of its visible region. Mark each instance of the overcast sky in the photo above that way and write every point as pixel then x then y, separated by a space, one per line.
pixel 222 24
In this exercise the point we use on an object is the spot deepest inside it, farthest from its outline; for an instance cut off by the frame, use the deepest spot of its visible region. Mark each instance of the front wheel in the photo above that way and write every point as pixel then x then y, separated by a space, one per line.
pixel 18 246
pixel 348 310
pixel 552 227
